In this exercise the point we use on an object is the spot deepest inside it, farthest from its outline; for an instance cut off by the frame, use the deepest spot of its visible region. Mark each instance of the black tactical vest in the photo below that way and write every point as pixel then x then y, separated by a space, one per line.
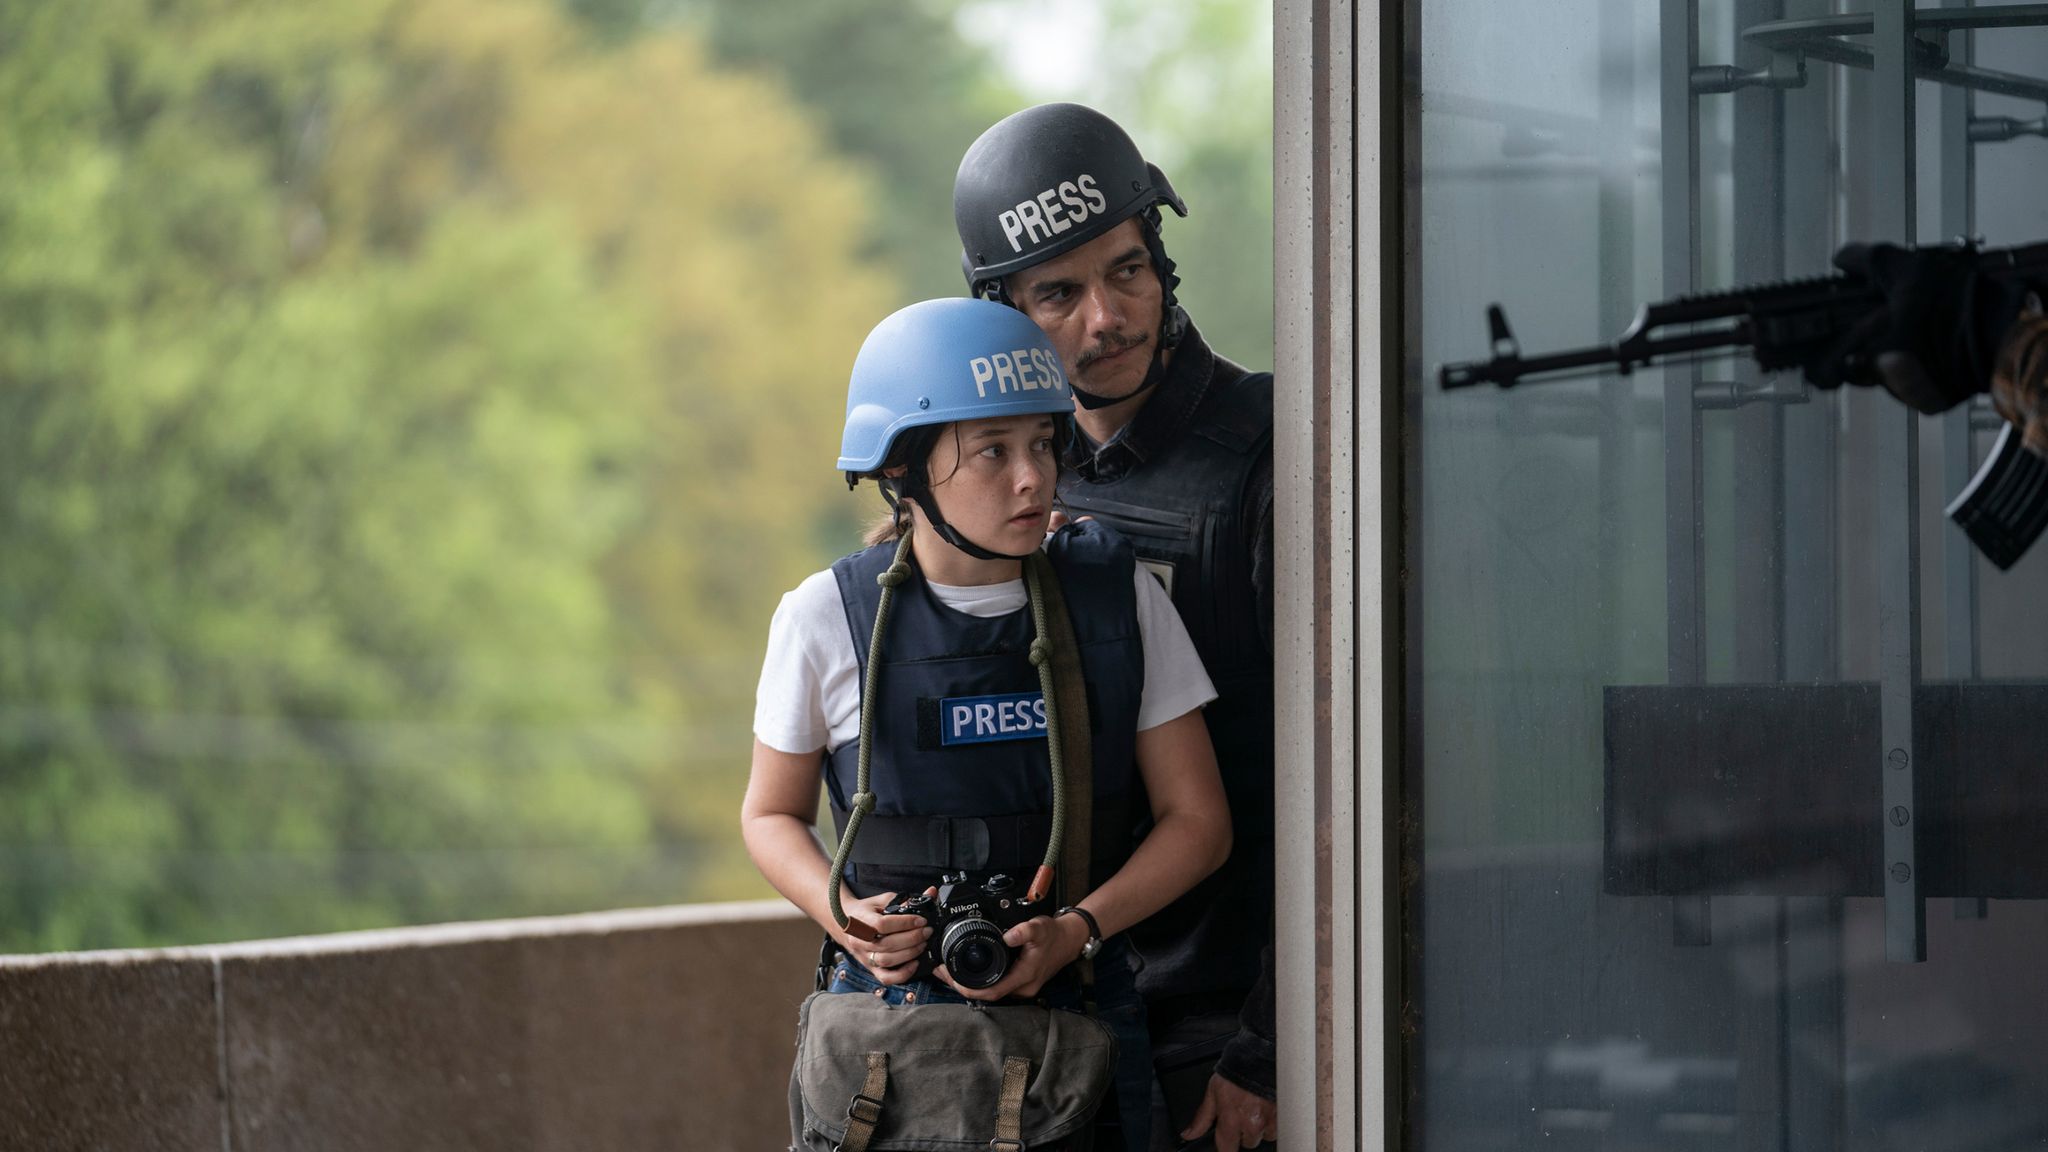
pixel 1185 511
pixel 959 769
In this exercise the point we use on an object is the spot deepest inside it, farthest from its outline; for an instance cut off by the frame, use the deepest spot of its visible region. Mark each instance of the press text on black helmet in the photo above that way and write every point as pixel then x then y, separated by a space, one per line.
pixel 1052 211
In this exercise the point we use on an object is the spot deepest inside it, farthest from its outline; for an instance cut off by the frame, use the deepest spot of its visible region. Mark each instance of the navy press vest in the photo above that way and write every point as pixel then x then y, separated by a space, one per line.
pixel 959 768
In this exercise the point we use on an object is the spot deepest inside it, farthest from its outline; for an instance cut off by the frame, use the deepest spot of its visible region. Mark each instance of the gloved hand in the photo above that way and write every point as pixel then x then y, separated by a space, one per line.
pixel 2019 384
pixel 1932 342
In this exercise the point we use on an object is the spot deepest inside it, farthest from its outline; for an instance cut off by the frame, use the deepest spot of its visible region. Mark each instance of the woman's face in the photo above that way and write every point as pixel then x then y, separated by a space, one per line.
pixel 993 480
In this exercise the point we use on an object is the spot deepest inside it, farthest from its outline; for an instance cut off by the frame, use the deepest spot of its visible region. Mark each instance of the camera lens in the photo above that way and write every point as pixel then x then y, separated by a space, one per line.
pixel 974 953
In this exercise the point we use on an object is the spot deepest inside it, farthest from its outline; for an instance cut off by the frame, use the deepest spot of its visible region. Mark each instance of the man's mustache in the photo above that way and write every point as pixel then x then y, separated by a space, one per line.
pixel 1111 344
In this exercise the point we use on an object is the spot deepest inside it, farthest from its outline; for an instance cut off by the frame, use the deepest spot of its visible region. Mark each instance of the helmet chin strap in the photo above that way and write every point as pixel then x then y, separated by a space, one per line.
pixel 895 490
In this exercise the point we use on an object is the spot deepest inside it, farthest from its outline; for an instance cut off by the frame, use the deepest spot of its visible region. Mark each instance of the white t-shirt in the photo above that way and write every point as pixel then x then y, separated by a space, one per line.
pixel 809 696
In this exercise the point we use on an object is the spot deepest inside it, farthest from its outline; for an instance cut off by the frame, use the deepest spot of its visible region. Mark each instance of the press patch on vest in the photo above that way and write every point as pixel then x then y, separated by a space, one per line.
pixel 984 719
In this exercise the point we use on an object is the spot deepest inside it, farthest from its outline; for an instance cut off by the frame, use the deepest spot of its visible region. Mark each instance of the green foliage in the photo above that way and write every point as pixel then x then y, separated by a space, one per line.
pixel 395 407
pixel 1197 81
pixel 894 88
pixel 1193 84
pixel 898 89
pixel 411 411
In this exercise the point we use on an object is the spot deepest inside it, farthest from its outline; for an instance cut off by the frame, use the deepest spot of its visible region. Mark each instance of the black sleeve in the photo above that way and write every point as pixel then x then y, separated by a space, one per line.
pixel 1249 1059
pixel 1259 499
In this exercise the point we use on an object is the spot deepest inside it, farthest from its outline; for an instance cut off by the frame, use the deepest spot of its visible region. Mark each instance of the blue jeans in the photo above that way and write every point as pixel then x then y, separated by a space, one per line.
pixel 1117 1006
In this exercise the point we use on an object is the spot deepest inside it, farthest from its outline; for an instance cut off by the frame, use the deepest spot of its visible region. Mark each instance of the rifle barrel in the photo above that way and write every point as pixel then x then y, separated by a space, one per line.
pixel 1624 357
pixel 1750 308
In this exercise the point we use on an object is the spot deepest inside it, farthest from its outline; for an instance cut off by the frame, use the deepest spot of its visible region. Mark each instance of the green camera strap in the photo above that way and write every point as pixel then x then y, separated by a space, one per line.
pixel 1057 658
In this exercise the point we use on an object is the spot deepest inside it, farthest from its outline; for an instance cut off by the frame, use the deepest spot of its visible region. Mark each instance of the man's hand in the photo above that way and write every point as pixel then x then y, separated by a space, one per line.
pixel 1060 519
pixel 1932 342
pixel 1241 1119
pixel 2019 385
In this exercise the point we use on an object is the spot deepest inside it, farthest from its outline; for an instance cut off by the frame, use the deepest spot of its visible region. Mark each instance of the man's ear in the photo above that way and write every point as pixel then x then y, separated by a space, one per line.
pixel 1013 289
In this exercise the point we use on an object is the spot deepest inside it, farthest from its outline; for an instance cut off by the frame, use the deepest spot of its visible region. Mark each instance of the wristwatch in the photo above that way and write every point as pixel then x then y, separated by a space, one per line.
pixel 1094 943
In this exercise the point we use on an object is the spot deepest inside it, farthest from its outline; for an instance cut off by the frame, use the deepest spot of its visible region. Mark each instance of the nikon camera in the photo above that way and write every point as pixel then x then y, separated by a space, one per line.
pixel 967 927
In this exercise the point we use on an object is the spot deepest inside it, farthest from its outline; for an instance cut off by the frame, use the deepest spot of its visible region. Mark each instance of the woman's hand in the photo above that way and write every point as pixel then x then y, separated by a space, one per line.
pixel 889 945
pixel 1043 945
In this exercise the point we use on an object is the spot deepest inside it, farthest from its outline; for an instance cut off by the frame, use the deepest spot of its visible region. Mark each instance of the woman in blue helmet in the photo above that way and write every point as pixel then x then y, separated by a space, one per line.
pixel 956 409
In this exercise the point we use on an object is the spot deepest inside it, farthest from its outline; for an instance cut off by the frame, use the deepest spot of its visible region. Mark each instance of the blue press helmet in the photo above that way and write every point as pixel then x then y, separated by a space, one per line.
pixel 938 361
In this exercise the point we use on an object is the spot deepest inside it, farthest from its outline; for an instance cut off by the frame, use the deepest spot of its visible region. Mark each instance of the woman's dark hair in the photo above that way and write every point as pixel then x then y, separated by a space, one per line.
pixel 913 449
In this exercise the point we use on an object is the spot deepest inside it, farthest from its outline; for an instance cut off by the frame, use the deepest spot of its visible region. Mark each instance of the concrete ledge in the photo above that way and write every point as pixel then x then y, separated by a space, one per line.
pixel 121 1053
pixel 658 1028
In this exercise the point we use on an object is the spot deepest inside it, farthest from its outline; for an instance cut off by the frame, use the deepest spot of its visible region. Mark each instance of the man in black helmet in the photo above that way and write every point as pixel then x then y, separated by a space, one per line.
pixel 1059 216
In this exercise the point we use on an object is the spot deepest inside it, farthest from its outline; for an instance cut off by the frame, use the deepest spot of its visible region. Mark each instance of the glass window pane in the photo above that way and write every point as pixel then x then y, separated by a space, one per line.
pixel 1647 700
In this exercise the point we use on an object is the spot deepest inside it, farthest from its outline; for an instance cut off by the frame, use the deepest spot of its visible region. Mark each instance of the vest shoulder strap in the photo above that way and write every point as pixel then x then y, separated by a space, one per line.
pixel 859 595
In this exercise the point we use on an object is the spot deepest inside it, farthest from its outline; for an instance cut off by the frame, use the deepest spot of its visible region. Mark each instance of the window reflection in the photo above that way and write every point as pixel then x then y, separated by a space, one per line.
pixel 1652 911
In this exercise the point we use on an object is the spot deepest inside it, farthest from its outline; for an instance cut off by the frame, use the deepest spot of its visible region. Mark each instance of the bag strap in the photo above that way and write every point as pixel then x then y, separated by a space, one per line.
pixel 1077 748
pixel 1010 1106
pixel 864 1111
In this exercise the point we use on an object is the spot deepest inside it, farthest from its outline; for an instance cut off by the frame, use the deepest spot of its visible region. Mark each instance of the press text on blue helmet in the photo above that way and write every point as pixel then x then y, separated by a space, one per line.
pixel 1021 370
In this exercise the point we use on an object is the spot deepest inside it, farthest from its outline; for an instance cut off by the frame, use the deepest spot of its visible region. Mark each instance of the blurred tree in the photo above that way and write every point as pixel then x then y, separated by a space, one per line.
pixel 397 404
pixel 1195 81
pixel 899 88
pixel 1193 84
pixel 894 86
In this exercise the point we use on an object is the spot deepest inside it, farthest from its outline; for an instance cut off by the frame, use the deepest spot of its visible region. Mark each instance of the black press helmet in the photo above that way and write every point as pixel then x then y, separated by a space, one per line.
pixel 1047 180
